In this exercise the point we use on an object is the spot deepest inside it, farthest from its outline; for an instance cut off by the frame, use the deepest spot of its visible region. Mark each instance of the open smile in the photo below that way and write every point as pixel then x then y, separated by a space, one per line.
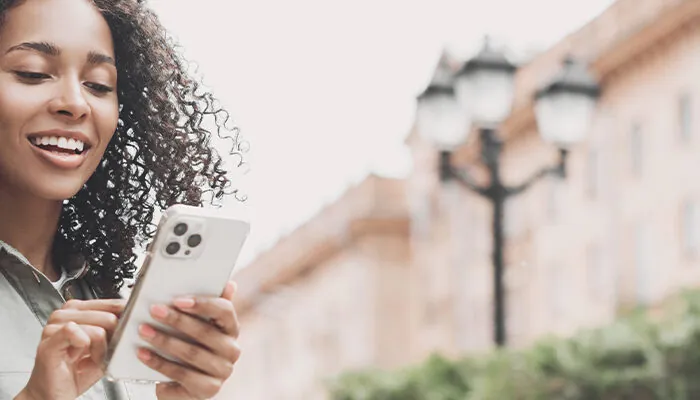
pixel 62 151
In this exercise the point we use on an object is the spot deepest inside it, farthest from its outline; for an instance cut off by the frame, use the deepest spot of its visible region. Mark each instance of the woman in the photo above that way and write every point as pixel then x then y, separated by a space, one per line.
pixel 100 127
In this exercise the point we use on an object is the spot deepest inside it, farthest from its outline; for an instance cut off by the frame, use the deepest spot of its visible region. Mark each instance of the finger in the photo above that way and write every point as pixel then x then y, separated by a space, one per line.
pixel 50 330
pixel 97 336
pixel 199 331
pixel 218 309
pixel 103 319
pixel 230 290
pixel 98 342
pixel 172 390
pixel 197 384
pixel 69 339
pixel 77 340
pixel 196 356
pixel 114 306
pixel 86 364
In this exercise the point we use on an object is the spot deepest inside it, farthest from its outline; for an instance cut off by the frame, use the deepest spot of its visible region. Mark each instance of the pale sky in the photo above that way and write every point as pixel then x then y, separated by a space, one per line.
pixel 324 90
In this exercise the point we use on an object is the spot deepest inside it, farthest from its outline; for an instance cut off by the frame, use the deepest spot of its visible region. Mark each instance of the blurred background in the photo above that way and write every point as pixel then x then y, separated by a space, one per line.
pixel 460 200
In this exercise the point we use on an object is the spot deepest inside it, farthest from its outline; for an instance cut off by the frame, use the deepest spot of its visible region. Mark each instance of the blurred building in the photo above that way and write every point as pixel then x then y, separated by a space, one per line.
pixel 395 270
pixel 330 296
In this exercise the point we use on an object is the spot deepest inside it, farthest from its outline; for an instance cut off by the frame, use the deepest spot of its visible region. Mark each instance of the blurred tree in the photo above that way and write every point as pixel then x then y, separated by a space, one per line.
pixel 641 357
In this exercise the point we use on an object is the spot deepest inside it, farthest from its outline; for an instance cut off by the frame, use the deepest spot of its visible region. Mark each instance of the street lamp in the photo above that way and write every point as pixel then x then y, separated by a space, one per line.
pixel 564 107
pixel 440 117
pixel 485 86
pixel 484 94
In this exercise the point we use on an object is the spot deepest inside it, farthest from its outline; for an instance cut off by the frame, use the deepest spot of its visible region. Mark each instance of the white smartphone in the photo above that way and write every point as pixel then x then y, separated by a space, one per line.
pixel 193 254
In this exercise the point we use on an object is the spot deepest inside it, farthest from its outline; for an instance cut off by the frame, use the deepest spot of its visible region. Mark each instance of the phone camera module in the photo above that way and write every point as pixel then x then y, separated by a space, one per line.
pixel 172 248
pixel 180 229
pixel 194 240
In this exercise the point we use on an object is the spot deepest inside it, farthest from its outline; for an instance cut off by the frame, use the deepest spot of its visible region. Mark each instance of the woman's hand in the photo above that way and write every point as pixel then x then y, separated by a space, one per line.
pixel 211 352
pixel 72 348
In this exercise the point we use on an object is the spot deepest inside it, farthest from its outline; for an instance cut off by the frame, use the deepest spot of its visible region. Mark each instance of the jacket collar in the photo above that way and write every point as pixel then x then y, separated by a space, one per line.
pixel 76 268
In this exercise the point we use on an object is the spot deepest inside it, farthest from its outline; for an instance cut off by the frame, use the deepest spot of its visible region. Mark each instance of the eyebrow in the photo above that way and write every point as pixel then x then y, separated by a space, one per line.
pixel 99 58
pixel 52 50
pixel 42 47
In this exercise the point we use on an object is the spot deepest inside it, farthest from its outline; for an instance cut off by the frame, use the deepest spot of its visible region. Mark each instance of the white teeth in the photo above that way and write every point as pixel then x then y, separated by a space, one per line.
pixel 60 142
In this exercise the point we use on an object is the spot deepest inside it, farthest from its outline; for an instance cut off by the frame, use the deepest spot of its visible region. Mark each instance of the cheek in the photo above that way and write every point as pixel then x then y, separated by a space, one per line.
pixel 17 106
pixel 106 117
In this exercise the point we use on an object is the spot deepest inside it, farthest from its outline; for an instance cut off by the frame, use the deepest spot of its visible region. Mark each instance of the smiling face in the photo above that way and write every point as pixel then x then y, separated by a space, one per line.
pixel 58 101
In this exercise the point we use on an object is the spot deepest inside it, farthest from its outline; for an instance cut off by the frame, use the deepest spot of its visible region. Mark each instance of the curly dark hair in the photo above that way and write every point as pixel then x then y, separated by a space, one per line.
pixel 161 153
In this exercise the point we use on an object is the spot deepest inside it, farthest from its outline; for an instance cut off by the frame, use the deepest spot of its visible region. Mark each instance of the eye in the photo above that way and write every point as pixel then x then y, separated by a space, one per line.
pixel 32 76
pixel 99 87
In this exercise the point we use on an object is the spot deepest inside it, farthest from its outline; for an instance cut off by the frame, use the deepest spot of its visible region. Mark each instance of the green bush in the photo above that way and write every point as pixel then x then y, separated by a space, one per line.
pixel 637 358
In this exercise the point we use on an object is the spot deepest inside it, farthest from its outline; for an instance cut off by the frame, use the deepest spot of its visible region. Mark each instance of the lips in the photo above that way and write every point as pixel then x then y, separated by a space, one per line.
pixel 58 144
pixel 61 149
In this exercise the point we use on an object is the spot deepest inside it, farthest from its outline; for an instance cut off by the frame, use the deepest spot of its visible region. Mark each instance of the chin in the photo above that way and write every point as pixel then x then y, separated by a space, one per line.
pixel 59 190
pixel 58 194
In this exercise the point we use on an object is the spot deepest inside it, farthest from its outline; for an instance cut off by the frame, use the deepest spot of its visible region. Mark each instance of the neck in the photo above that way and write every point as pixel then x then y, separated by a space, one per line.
pixel 29 224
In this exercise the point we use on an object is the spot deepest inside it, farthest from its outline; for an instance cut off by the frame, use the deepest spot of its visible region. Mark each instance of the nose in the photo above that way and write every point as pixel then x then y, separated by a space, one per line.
pixel 69 103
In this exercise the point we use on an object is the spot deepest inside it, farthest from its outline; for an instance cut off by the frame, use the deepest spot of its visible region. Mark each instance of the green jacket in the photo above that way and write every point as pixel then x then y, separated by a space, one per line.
pixel 27 299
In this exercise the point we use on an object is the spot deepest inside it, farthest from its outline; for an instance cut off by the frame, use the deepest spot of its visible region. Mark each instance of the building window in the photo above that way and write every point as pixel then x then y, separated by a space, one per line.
pixel 644 264
pixel 268 356
pixel 513 217
pixel 421 215
pixel 593 272
pixel 430 312
pixel 593 181
pixel 560 292
pixel 430 296
pixel 554 199
pixel 690 228
pixel 518 314
pixel 636 150
pixel 329 349
pixel 685 117
pixel 599 279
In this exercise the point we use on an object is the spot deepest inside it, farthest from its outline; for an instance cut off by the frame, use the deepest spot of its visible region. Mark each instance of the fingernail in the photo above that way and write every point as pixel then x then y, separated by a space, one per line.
pixel 159 311
pixel 144 355
pixel 147 332
pixel 184 302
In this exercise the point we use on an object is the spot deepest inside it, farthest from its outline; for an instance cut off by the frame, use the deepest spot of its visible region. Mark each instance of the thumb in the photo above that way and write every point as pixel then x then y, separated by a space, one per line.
pixel 69 339
pixel 230 290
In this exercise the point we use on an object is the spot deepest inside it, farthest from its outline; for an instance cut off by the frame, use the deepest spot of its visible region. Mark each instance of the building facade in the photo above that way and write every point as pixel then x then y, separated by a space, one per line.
pixel 620 231
pixel 398 269
pixel 328 297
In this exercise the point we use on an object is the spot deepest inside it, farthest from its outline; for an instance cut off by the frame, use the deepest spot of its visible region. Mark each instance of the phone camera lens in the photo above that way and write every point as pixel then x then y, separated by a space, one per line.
pixel 194 240
pixel 180 229
pixel 172 248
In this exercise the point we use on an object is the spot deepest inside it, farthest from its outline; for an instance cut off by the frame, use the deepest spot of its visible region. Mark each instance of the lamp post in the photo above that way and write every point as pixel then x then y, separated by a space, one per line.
pixel 481 93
